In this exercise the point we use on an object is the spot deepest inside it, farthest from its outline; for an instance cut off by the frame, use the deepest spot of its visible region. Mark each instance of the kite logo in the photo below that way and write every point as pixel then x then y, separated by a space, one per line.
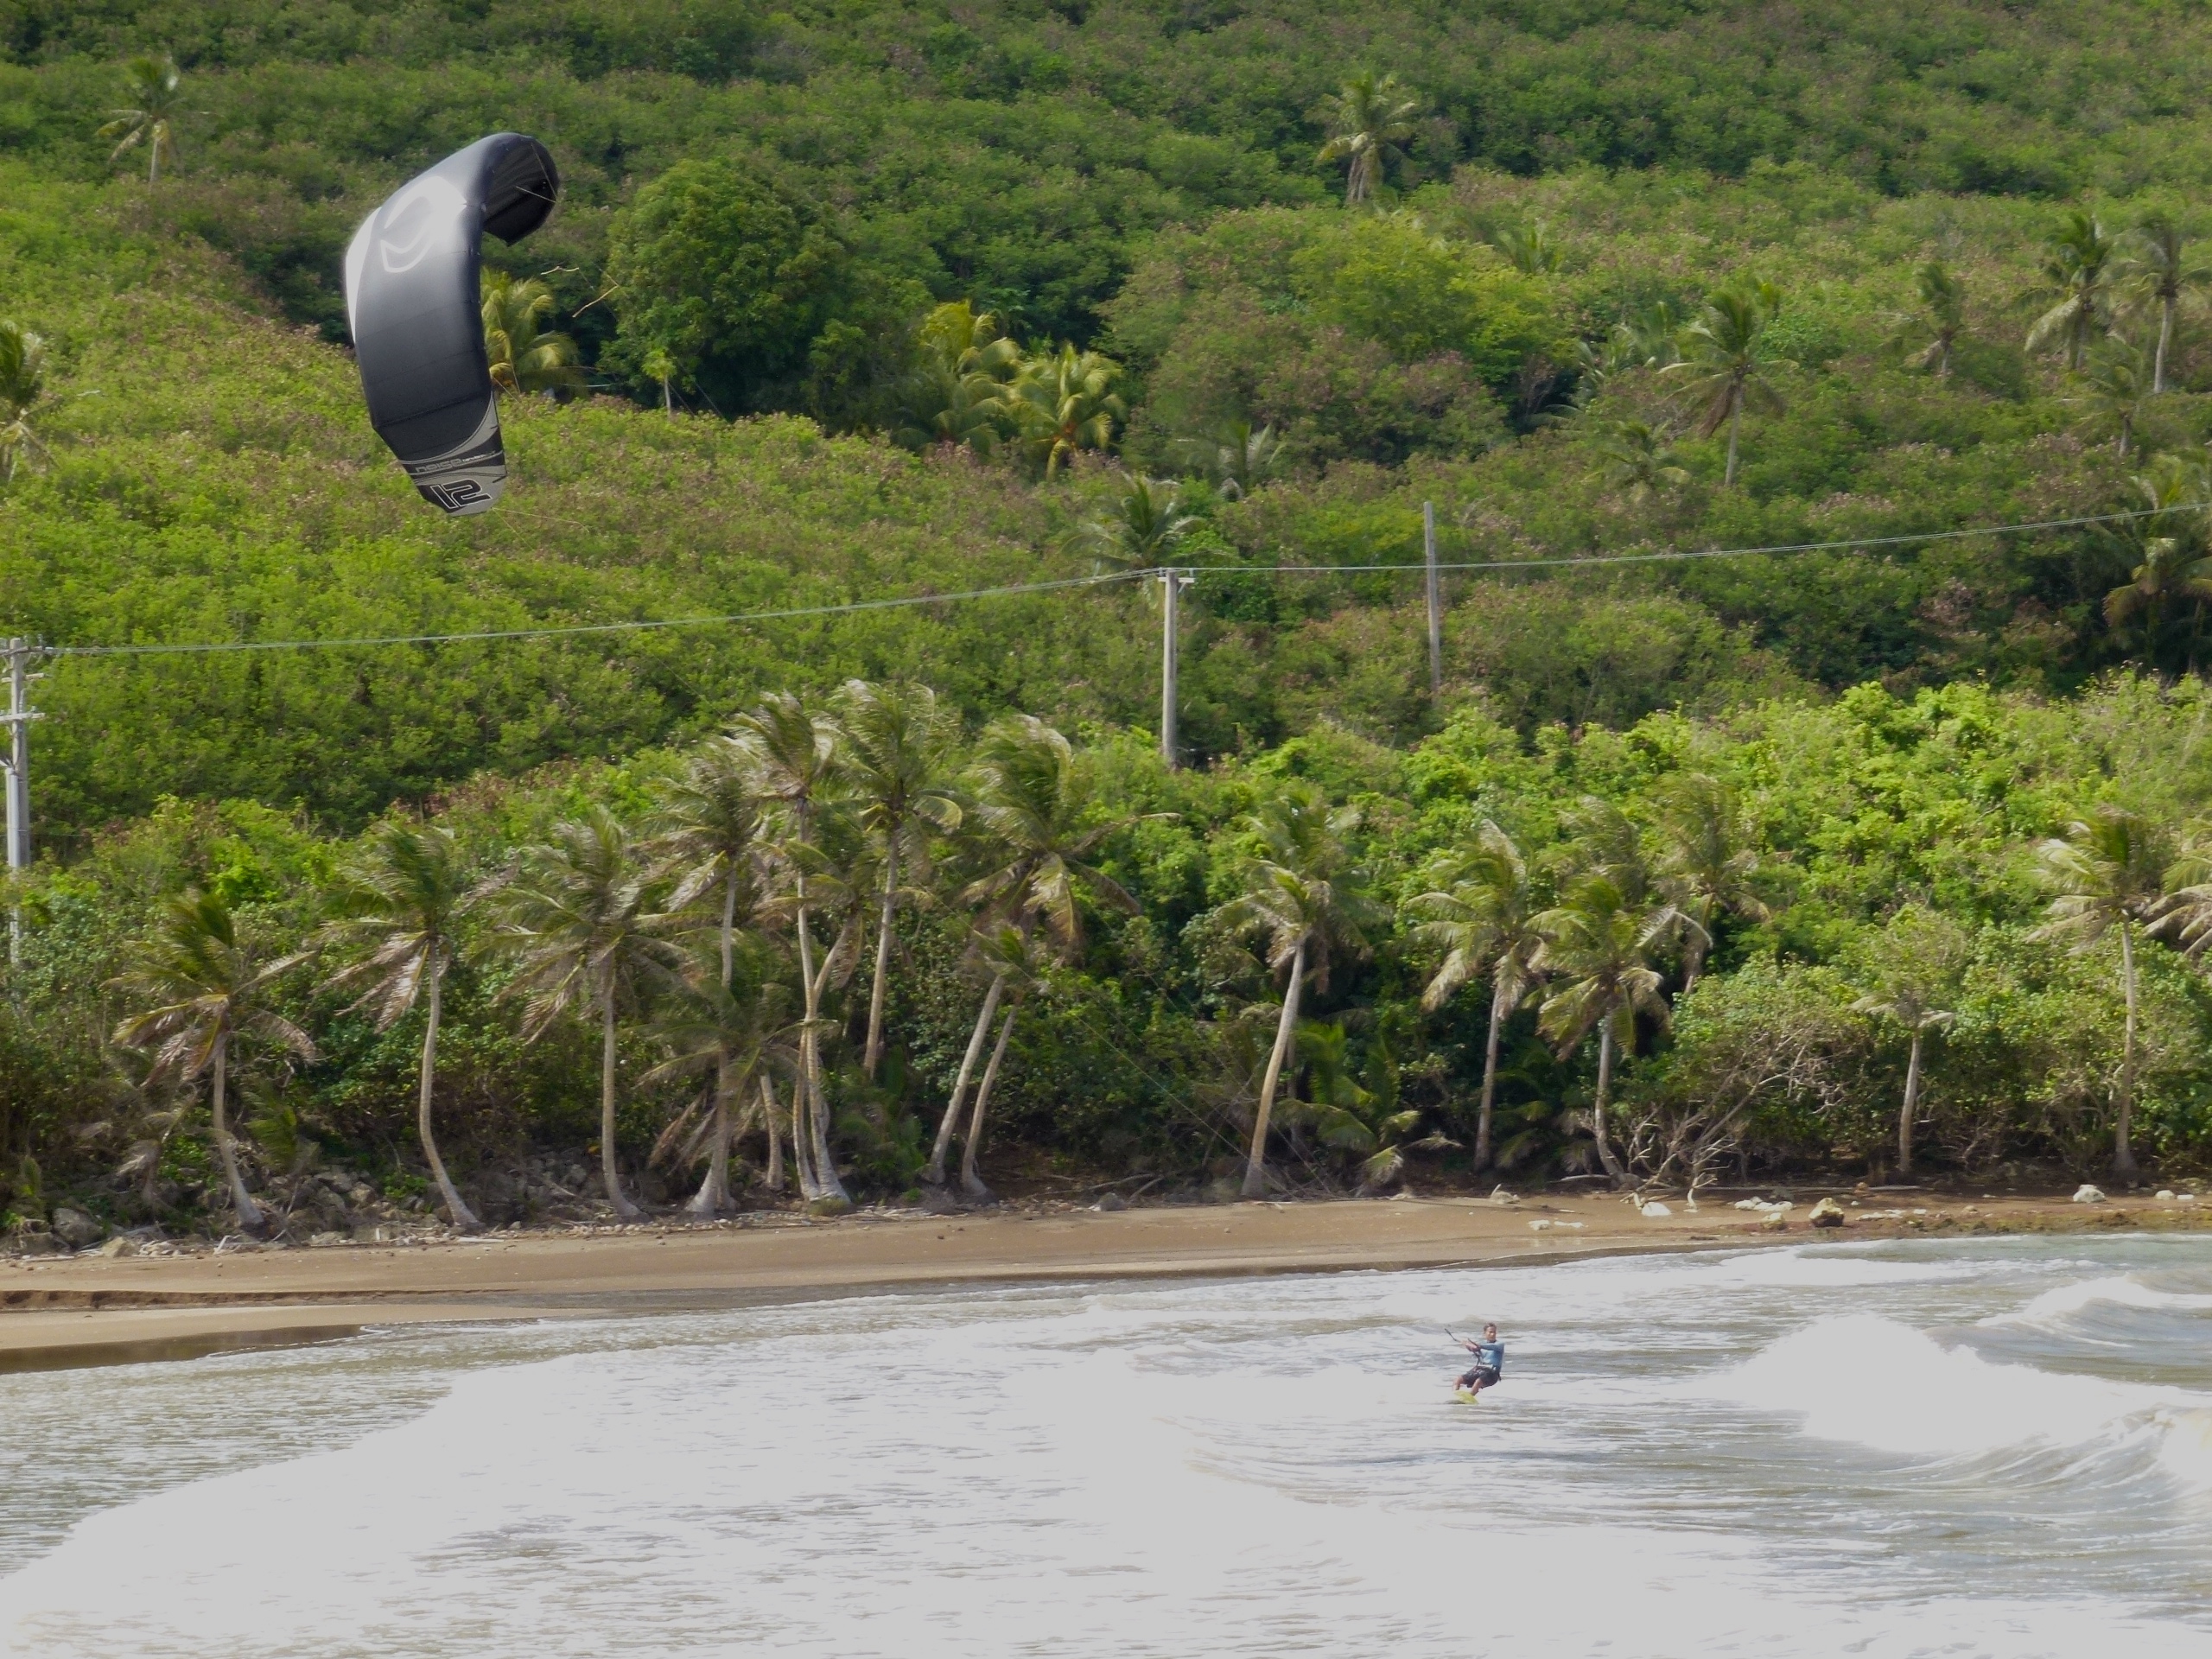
pixel 457 497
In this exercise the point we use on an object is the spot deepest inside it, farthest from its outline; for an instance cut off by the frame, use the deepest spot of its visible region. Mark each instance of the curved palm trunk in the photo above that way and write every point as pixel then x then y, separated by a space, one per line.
pixel 608 1171
pixel 1483 1118
pixel 713 1197
pixel 2165 340
pixel 823 1166
pixel 1613 1171
pixel 456 1212
pixel 935 1174
pixel 874 1051
pixel 2123 1155
pixel 1255 1164
pixel 1735 424
pixel 971 1182
pixel 1905 1113
pixel 248 1213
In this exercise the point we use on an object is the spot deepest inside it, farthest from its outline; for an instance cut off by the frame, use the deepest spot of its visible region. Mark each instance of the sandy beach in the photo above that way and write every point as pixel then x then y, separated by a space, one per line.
pixel 84 1310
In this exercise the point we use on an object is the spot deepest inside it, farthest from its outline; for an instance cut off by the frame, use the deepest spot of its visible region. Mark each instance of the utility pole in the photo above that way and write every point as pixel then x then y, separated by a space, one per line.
pixel 17 766
pixel 1172 583
pixel 1435 600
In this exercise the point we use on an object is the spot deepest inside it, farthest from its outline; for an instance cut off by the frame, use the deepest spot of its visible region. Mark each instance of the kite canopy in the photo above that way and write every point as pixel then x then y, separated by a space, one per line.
pixel 414 302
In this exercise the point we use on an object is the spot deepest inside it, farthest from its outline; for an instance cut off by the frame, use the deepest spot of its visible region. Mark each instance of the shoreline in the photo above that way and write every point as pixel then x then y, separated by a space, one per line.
pixel 65 1313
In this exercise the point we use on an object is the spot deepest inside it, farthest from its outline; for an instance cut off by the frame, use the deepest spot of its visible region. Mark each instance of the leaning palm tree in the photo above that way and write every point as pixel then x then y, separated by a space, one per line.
pixel 208 987
pixel 1368 121
pixel 735 1036
pixel 577 918
pixel 1916 967
pixel 1481 914
pixel 2113 384
pixel 1306 897
pixel 151 84
pixel 1063 403
pixel 525 355
pixel 1139 529
pixel 401 901
pixel 1032 806
pixel 22 383
pixel 1708 864
pixel 2156 268
pixel 2108 871
pixel 1721 370
pixel 1943 300
pixel 1599 946
pixel 897 762
pixel 1016 961
pixel 792 751
pixel 2075 286
pixel 708 837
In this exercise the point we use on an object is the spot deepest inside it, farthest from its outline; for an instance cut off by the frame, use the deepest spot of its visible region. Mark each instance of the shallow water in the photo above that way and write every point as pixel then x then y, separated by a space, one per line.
pixel 2001 1447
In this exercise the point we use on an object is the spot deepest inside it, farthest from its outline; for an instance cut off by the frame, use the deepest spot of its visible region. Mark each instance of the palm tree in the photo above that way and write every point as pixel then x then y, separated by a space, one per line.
pixel 2173 568
pixel 1368 120
pixel 897 759
pixel 2155 268
pixel 1919 957
pixel 525 356
pixel 1529 248
pixel 401 900
pixel 1140 528
pixel 576 917
pixel 708 837
pixel 792 751
pixel 2115 382
pixel 1481 914
pixel 736 1035
pixel 151 85
pixel 1944 294
pixel 1722 374
pixel 956 394
pixel 1706 864
pixel 209 985
pixel 22 383
pixel 1063 404
pixel 1306 897
pixel 1634 456
pixel 2075 287
pixel 1242 458
pixel 1033 803
pixel 2109 872
pixel 1015 962
pixel 1598 943
pixel 660 366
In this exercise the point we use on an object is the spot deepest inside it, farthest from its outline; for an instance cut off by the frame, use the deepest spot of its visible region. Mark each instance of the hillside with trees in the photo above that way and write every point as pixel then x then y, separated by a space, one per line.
pixel 1879 843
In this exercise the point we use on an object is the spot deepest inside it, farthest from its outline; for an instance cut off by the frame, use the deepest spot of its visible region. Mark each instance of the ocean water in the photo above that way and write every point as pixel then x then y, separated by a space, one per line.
pixel 2000 1447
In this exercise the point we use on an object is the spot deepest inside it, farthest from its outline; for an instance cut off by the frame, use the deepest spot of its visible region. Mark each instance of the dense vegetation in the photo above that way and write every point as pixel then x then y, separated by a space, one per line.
pixel 889 299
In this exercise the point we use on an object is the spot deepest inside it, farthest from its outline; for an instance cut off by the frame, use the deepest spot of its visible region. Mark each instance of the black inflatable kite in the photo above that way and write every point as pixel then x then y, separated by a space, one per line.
pixel 412 299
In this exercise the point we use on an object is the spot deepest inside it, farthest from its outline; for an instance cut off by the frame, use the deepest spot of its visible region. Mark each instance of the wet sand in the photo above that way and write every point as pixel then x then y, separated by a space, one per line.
pixel 77 1311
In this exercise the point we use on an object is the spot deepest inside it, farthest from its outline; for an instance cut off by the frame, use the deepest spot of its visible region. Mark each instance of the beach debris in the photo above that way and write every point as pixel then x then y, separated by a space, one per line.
pixel 1775 1222
pixel 1109 1203
pixel 1653 1211
pixel 2087 1194
pixel 1499 1195
pixel 119 1245
pixel 1778 1207
pixel 1540 1226
pixel 2166 1195
pixel 1827 1213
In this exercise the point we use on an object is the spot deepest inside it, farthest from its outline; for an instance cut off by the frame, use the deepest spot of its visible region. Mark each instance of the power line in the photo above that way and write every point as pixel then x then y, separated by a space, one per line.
pixel 1203 573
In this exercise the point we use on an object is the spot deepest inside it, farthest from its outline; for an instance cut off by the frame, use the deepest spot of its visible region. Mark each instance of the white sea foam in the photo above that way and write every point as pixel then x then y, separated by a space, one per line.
pixel 1256 1468
pixel 2054 1305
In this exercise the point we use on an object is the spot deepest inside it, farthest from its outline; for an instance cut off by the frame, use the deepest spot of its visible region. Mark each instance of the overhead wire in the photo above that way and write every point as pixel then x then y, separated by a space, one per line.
pixel 1203 573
